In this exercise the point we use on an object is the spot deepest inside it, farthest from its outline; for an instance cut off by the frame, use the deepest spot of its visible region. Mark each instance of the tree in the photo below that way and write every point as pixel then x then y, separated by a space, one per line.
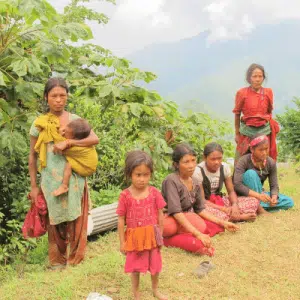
pixel 37 42
pixel 289 135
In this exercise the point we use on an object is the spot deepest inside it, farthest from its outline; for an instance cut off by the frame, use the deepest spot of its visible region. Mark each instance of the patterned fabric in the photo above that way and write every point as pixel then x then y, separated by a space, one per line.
pixel 246 205
pixel 258 140
pixel 140 216
pixel 252 181
pixel 66 207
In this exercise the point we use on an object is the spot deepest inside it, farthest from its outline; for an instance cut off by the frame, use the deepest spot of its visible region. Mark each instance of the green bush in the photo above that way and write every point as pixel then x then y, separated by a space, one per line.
pixel 289 135
pixel 37 43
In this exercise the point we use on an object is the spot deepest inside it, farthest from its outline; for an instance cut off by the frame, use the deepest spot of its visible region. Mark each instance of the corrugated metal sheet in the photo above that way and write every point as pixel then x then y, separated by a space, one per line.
pixel 102 218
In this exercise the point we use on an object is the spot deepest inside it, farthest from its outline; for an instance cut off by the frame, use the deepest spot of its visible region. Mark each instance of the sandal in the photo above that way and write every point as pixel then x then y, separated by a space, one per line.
pixel 203 269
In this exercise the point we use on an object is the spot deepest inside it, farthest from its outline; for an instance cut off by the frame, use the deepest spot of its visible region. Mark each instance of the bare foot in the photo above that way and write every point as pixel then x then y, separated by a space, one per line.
pixel 248 217
pixel 63 188
pixel 137 295
pixel 262 212
pixel 159 295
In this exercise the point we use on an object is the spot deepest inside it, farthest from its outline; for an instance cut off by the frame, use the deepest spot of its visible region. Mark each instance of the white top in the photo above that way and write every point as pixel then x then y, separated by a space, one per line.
pixel 214 178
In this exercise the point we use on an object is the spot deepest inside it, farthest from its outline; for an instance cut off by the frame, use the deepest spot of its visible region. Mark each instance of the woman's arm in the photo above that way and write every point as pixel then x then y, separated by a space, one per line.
pixel 91 140
pixel 273 182
pixel 235 212
pixel 237 123
pixel 184 222
pixel 230 190
pixel 227 225
pixel 121 231
pixel 32 166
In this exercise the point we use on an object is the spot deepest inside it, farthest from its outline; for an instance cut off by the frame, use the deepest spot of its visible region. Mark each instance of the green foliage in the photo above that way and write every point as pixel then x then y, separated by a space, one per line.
pixel 289 135
pixel 104 197
pixel 35 43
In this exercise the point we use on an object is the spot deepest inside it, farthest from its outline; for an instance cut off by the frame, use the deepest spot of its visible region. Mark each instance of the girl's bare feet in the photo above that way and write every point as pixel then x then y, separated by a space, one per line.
pixel 137 295
pixel 63 188
pixel 159 295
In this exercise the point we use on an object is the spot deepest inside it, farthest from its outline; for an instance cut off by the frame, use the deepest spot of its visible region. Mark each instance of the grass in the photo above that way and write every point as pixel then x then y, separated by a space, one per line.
pixel 262 261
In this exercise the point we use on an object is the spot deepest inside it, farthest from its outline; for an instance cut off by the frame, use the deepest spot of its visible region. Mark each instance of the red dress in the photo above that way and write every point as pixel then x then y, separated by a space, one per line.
pixel 141 217
pixel 256 108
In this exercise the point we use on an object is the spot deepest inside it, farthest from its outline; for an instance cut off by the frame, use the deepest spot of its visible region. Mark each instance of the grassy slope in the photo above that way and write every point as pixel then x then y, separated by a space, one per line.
pixel 262 261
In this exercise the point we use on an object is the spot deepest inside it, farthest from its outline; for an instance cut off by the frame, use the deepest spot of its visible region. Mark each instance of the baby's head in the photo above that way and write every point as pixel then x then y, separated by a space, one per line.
pixel 78 129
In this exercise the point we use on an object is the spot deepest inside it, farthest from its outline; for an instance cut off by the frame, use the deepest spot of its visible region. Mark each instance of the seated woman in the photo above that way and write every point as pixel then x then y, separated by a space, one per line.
pixel 211 174
pixel 251 172
pixel 187 224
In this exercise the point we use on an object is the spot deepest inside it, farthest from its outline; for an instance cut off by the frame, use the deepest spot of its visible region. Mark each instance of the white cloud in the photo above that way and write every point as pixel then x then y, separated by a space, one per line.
pixel 135 24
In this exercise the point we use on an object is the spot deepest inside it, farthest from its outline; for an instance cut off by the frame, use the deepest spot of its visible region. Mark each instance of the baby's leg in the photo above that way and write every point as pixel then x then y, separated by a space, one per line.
pixel 135 282
pixel 64 187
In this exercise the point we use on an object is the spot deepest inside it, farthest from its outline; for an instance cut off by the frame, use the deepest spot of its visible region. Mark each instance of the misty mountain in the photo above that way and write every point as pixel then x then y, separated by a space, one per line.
pixel 206 77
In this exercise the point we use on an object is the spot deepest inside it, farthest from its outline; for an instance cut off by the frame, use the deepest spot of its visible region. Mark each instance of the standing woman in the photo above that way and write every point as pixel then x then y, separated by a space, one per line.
pixel 255 104
pixel 252 170
pixel 68 212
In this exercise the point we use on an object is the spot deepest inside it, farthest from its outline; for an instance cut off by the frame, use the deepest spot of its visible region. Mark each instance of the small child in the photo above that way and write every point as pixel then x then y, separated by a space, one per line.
pixel 82 159
pixel 140 207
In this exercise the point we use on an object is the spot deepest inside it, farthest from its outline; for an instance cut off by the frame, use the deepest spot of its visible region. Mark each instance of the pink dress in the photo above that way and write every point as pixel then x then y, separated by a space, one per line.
pixel 141 216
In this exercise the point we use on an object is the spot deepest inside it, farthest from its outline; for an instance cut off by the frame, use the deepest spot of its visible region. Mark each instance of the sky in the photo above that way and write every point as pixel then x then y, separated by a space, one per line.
pixel 135 24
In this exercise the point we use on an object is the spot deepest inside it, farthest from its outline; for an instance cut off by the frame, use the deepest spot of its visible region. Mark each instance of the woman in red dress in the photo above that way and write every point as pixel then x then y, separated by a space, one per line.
pixel 253 112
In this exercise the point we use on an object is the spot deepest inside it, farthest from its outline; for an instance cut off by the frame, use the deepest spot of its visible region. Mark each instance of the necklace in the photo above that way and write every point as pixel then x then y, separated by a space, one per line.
pixel 260 165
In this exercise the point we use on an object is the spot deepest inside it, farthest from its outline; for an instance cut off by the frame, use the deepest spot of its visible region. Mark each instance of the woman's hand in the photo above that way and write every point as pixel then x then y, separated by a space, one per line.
pixel 33 194
pixel 204 238
pixel 227 210
pixel 264 197
pixel 274 200
pixel 60 147
pixel 235 212
pixel 230 226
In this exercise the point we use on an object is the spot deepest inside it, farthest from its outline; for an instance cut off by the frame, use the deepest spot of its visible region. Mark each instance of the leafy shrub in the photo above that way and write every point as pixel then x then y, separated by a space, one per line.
pixel 36 43
pixel 289 136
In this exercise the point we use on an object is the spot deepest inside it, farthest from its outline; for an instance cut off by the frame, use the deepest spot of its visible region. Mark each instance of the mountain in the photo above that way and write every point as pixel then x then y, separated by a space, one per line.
pixel 206 77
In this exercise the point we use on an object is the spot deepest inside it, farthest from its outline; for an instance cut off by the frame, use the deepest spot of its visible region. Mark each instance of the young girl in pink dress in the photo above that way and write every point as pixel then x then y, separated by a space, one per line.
pixel 140 208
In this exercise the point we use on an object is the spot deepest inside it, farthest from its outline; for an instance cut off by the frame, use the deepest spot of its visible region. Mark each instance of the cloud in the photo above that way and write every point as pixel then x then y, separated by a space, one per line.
pixel 135 24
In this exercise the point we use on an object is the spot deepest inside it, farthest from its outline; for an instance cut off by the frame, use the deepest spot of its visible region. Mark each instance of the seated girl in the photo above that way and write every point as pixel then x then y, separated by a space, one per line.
pixel 211 174
pixel 187 224
pixel 252 170
pixel 82 160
